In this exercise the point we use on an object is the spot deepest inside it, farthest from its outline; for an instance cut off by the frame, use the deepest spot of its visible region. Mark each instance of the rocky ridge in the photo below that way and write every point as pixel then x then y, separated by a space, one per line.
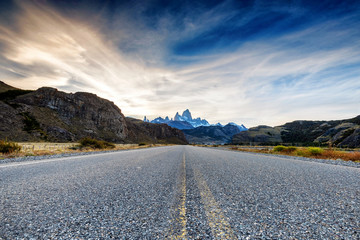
pixel 339 133
pixel 51 115
pixel 184 121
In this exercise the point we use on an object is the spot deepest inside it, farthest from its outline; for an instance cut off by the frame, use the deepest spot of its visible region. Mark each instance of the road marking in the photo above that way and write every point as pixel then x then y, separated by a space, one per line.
pixel 218 223
pixel 178 221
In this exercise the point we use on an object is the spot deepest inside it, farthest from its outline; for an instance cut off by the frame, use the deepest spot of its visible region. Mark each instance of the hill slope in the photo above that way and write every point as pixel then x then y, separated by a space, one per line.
pixel 4 87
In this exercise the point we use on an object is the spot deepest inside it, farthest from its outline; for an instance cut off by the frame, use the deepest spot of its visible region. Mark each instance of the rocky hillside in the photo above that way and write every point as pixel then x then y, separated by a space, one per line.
pixel 261 134
pixel 341 133
pixel 51 115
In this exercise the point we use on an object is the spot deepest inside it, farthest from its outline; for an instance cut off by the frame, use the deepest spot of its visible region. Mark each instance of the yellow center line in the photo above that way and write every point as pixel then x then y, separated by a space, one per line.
pixel 178 222
pixel 218 223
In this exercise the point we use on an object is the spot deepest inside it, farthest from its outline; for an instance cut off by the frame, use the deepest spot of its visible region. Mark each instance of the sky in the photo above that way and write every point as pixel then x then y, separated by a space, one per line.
pixel 249 62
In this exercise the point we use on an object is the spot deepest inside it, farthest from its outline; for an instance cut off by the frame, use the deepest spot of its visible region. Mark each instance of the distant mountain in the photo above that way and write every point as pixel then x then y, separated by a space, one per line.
pixel 212 134
pixel 199 130
pixel 340 133
pixel 240 127
pixel 184 121
pixel 186 117
pixel 51 115
pixel 180 125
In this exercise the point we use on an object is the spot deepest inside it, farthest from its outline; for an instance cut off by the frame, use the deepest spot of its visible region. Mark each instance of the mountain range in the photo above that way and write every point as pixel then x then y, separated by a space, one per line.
pixel 184 121
pixel 200 131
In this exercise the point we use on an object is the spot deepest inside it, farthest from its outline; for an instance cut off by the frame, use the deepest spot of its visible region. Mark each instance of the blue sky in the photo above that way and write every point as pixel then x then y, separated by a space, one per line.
pixel 249 62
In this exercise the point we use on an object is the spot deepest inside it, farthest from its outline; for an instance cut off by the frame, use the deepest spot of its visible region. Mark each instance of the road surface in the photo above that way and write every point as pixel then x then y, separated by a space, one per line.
pixel 178 192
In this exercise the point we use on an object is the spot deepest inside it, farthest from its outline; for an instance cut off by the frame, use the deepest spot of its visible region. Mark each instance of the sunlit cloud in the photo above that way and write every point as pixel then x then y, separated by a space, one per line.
pixel 309 73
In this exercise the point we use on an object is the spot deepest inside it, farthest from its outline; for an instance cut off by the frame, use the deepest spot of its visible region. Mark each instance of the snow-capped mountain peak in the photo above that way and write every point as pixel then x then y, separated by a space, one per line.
pixel 187 115
pixel 186 121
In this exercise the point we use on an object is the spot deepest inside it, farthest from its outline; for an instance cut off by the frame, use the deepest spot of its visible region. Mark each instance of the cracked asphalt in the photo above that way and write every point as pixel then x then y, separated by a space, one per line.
pixel 178 192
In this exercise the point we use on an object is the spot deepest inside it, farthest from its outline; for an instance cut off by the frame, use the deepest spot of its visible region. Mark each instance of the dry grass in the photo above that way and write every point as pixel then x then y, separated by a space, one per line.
pixel 46 148
pixel 312 152
pixel 348 156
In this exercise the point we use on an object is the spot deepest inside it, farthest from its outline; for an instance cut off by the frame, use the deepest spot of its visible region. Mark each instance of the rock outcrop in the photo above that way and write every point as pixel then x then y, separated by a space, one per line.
pixel 83 114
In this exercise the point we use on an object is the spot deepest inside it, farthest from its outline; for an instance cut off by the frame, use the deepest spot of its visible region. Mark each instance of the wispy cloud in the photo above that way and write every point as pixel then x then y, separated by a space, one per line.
pixel 47 49
pixel 153 65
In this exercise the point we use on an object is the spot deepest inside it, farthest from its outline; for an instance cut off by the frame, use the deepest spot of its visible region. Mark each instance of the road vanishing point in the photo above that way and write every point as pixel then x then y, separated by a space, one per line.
pixel 178 192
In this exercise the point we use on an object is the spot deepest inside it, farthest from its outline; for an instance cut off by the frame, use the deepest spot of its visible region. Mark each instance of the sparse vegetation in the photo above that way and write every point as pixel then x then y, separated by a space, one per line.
pixel 279 148
pixel 48 148
pixel 95 144
pixel 285 149
pixel 315 151
pixel 9 147
pixel 312 152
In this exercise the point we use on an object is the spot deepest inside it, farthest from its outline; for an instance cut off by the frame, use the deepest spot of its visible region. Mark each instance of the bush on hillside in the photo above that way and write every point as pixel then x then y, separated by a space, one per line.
pixel 9 147
pixel 95 144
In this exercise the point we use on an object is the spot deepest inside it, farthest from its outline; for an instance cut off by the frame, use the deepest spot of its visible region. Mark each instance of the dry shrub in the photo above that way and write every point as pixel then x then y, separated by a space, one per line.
pixel 95 144
pixel 302 152
pixel 331 154
pixel 315 151
pixel 9 147
pixel 291 149
pixel 279 148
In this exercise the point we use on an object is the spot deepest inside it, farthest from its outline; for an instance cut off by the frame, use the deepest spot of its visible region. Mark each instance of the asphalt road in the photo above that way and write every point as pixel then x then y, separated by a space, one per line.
pixel 178 192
